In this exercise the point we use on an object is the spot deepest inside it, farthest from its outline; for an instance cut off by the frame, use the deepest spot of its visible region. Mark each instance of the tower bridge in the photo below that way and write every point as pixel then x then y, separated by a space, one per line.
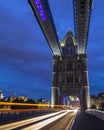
pixel 70 73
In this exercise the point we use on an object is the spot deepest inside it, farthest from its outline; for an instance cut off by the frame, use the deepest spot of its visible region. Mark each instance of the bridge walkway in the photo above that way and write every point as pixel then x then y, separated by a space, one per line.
pixel 87 122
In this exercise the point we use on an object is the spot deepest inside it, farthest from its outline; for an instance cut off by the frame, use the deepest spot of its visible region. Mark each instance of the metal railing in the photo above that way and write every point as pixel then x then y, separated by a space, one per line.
pixel 97 113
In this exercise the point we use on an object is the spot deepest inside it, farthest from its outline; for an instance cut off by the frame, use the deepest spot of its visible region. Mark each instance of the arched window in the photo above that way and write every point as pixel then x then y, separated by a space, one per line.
pixel 69 46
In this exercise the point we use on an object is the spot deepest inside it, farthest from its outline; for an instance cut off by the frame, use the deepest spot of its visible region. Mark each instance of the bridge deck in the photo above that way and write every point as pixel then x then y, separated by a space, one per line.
pixel 88 122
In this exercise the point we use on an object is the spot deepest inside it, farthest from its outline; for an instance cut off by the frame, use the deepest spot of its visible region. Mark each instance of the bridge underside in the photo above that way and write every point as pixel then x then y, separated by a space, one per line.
pixel 41 10
pixel 82 14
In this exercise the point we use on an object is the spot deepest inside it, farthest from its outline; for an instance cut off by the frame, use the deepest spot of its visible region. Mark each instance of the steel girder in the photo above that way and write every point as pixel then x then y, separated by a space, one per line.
pixel 82 14
pixel 44 17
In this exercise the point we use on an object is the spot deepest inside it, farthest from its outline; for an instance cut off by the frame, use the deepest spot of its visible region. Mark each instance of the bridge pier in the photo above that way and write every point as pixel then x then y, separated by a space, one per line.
pixel 54 95
pixel 86 93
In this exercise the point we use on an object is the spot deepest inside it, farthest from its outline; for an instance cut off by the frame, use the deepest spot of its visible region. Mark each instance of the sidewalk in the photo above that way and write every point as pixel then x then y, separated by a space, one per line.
pixel 88 122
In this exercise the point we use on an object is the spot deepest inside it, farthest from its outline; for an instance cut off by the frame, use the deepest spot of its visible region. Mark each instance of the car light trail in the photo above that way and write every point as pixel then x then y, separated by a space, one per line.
pixel 27 104
pixel 27 121
pixel 44 123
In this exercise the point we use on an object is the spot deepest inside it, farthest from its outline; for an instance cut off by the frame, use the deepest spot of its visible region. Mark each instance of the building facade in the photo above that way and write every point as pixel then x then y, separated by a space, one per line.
pixel 97 102
pixel 1 94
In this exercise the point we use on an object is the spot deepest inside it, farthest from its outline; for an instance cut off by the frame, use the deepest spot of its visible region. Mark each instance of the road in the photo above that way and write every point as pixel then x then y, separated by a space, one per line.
pixel 54 121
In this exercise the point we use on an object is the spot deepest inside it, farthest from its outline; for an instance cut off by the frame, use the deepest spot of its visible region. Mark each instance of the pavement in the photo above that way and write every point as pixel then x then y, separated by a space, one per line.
pixel 88 122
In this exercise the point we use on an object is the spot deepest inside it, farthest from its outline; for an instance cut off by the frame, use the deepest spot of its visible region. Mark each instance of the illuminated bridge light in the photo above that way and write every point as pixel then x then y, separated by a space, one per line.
pixel 40 9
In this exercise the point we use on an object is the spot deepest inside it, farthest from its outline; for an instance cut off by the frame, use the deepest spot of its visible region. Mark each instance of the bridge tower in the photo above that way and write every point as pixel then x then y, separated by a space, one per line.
pixel 70 73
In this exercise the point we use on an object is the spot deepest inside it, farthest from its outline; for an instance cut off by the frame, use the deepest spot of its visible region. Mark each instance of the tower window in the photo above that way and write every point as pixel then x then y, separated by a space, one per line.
pixel 69 79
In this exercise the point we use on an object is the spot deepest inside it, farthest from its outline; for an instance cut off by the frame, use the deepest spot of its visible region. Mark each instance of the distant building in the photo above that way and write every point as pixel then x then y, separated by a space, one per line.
pixel 12 98
pixel 74 101
pixel 24 98
pixel 97 101
pixel 101 94
pixel 1 94
pixel 43 101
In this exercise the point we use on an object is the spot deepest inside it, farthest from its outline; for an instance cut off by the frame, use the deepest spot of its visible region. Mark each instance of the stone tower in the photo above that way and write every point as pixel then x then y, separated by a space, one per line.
pixel 70 74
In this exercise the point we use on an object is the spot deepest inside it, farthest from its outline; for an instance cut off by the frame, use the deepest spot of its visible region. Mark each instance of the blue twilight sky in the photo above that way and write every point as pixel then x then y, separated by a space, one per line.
pixel 25 57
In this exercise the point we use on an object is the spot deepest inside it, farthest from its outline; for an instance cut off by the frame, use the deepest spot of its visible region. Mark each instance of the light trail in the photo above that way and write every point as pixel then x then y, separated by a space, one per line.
pixel 39 107
pixel 65 123
pixel 27 121
pixel 46 122
pixel 28 110
pixel 28 104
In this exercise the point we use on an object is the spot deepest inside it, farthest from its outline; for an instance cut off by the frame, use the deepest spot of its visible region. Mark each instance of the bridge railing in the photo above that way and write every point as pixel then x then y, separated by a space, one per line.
pixel 97 113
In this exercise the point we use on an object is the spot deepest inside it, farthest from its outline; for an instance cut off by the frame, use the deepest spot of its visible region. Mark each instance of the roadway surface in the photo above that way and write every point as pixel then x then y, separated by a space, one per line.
pixel 88 122
pixel 61 120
